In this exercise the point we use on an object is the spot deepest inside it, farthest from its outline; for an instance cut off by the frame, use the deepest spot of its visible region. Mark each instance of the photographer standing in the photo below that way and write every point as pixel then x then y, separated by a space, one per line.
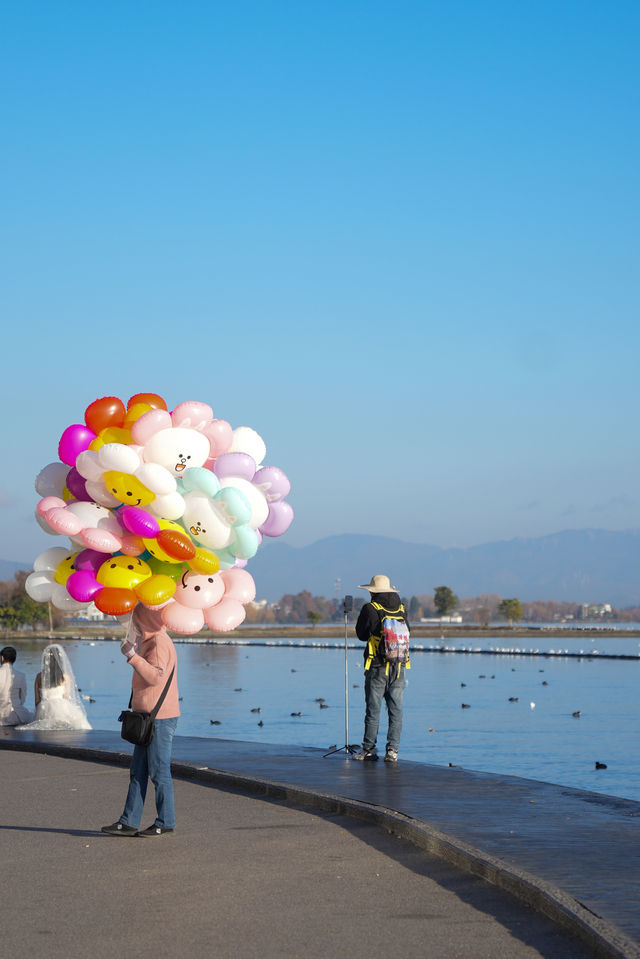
pixel 383 626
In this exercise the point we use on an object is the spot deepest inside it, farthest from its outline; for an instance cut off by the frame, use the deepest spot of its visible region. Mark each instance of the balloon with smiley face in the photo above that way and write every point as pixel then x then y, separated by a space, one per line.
pixel 155 504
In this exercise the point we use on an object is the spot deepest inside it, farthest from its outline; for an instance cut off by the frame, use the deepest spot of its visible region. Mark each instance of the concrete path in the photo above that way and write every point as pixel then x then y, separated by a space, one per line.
pixel 569 855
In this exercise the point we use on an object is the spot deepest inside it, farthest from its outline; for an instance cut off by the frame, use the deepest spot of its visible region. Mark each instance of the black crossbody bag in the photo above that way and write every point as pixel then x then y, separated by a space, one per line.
pixel 138 728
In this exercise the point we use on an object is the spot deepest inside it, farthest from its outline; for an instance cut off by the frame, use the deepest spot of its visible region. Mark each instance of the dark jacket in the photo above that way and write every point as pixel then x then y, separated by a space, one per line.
pixel 368 623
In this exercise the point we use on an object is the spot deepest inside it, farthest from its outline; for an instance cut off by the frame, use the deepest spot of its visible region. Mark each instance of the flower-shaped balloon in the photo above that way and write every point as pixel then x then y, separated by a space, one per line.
pixel 156 504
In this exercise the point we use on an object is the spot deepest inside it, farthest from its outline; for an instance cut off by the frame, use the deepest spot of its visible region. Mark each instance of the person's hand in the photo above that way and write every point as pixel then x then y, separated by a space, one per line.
pixel 127 649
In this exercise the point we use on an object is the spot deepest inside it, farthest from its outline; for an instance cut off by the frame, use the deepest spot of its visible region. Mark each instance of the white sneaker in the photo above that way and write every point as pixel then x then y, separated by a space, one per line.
pixel 391 756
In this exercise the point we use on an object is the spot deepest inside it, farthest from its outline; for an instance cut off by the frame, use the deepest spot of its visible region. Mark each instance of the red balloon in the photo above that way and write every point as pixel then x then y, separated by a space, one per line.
pixel 151 399
pixel 175 544
pixel 115 602
pixel 104 412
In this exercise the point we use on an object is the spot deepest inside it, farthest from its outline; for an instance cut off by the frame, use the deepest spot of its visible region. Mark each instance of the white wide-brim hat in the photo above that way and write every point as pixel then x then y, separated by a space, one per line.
pixel 379 584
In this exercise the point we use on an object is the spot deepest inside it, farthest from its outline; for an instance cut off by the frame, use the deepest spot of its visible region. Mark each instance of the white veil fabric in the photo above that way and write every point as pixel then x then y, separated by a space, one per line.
pixel 60 705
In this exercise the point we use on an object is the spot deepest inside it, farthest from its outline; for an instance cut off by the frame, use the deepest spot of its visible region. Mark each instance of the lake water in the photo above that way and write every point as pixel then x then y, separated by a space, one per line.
pixel 535 736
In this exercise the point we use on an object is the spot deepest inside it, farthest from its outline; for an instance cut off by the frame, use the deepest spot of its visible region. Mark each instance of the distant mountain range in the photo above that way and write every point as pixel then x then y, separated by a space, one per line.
pixel 583 566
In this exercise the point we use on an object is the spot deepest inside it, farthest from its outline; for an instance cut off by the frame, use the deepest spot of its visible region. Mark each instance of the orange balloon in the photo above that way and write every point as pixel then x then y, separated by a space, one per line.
pixel 152 400
pixel 115 601
pixel 175 544
pixel 107 411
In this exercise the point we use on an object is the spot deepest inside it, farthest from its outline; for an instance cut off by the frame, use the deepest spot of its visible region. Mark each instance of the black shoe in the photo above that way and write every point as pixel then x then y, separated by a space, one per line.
pixel 155 831
pixel 119 829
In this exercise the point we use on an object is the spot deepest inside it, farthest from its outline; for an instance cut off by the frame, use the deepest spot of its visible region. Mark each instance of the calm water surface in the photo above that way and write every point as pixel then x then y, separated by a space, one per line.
pixel 535 736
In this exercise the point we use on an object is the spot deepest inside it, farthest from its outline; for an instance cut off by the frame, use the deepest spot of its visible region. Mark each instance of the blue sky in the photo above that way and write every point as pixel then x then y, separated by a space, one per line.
pixel 398 240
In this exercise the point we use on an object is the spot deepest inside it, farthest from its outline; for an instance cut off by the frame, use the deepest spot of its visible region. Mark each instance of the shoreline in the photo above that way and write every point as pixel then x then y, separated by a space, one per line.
pixel 256 631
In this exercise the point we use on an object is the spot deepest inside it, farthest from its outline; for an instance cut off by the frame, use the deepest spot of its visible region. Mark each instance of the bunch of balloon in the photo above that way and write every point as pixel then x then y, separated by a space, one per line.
pixel 161 508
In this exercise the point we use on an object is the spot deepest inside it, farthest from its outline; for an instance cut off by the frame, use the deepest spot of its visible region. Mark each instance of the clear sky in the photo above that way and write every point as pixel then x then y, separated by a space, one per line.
pixel 400 240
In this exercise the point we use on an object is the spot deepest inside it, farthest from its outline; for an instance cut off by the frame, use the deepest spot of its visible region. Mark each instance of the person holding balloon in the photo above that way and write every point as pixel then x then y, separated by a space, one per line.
pixel 150 652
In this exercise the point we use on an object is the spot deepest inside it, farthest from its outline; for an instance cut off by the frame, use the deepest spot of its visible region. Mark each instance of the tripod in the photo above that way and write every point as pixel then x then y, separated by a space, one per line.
pixel 348 606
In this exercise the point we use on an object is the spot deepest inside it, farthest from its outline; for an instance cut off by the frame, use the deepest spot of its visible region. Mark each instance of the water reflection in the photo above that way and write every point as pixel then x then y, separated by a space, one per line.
pixel 520 718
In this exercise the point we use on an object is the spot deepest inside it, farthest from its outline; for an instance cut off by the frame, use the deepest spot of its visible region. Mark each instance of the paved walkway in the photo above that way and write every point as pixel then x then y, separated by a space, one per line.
pixel 573 856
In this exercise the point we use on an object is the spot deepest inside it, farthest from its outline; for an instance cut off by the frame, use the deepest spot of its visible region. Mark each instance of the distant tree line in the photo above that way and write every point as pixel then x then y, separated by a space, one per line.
pixel 18 611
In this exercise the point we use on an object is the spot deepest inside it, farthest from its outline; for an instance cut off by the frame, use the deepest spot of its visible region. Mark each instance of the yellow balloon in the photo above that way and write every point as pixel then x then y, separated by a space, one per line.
pixel 65 569
pixel 135 412
pixel 204 561
pixel 155 590
pixel 111 434
pixel 123 572
pixel 128 489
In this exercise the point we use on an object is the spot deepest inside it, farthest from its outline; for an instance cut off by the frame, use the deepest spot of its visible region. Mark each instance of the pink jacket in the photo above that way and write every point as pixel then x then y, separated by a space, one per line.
pixel 151 669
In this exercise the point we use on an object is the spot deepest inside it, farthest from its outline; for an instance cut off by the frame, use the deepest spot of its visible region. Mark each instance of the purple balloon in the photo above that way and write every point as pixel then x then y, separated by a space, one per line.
pixel 88 560
pixel 273 483
pixel 77 485
pixel 75 439
pixel 235 464
pixel 279 519
pixel 83 586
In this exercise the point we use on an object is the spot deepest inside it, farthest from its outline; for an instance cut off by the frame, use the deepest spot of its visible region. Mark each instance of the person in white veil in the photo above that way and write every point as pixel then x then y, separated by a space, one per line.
pixel 58 702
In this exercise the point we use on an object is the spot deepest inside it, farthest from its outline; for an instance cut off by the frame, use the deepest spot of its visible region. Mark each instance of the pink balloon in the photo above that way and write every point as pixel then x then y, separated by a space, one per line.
pixel 182 619
pixel 74 440
pixel 192 414
pixel 139 521
pixel 239 585
pixel 64 521
pixel 220 436
pixel 235 464
pixel 225 616
pixel 101 539
pixel 49 502
pixel 149 423
pixel 131 545
pixel 83 586
pixel 279 519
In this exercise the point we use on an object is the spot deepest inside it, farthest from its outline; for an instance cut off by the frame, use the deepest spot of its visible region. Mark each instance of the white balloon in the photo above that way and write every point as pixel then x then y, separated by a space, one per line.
pixel 51 480
pixel 99 493
pixel 51 558
pixel 246 440
pixel 88 465
pixel 119 457
pixel 205 523
pixel 39 586
pixel 157 478
pixel 257 499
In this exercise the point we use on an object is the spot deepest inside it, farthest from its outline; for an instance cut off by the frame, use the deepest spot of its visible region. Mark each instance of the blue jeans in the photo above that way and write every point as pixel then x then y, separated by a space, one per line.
pixel 152 761
pixel 379 685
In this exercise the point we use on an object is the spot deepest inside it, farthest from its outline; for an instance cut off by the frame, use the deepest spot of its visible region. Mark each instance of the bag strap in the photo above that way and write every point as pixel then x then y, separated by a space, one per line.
pixel 164 692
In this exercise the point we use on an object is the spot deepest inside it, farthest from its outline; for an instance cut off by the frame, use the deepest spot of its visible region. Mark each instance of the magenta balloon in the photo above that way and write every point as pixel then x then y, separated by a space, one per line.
pixel 88 559
pixel 273 482
pixel 279 519
pixel 235 464
pixel 139 521
pixel 74 440
pixel 83 586
pixel 76 485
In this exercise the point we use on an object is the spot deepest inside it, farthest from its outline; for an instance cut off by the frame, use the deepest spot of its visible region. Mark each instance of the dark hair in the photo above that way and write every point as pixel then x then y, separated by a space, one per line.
pixel 56 676
pixel 8 654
